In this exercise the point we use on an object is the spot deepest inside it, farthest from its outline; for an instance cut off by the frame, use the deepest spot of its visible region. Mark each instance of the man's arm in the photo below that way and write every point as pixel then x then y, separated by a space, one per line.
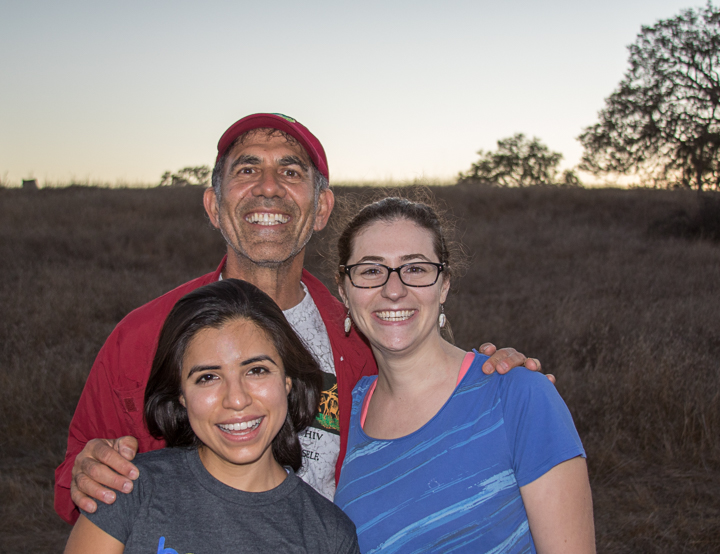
pixel 505 359
pixel 83 471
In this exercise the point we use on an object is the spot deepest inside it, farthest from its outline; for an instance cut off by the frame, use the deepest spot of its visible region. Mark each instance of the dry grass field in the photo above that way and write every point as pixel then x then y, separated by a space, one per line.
pixel 592 282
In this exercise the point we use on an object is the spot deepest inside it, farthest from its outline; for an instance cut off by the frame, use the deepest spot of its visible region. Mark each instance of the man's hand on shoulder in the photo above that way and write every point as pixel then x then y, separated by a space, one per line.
pixel 505 359
pixel 103 464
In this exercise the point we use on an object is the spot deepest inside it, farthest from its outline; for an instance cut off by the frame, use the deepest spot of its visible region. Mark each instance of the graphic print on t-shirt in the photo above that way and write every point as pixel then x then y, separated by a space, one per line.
pixel 328 415
pixel 326 425
pixel 162 550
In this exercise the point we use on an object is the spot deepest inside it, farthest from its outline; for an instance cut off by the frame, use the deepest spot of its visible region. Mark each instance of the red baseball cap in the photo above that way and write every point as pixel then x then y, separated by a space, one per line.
pixel 282 123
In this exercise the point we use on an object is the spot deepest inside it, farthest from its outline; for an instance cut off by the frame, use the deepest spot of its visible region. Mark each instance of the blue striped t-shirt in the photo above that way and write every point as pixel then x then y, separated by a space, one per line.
pixel 454 484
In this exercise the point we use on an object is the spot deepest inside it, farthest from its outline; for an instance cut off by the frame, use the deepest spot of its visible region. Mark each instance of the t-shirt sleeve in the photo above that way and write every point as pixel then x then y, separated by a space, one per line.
pixel 346 540
pixel 350 546
pixel 540 430
pixel 117 519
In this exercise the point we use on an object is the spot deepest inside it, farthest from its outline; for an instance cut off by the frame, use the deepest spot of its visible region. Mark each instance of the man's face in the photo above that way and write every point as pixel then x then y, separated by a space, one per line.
pixel 268 209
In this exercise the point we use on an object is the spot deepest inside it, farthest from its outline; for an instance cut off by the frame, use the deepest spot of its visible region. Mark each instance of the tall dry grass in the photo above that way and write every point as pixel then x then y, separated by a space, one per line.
pixel 625 316
pixel 74 262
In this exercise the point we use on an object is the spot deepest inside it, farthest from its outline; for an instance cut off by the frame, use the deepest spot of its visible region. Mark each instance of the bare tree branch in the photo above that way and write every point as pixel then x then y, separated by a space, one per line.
pixel 662 120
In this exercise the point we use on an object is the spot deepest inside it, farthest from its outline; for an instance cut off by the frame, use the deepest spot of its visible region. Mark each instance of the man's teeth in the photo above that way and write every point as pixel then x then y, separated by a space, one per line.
pixel 266 219
pixel 240 426
pixel 395 315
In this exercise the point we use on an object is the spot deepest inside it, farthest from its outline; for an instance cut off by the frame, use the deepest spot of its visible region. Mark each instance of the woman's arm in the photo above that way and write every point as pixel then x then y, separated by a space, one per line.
pixel 559 509
pixel 88 538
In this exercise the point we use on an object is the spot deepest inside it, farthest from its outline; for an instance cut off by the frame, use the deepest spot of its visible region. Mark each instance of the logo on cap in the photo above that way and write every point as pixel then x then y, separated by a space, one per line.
pixel 285 117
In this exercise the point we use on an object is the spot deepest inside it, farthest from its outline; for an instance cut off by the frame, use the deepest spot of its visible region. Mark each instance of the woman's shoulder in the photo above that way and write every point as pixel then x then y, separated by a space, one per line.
pixel 538 424
pixel 323 506
pixel 362 386
pixel 518 389
pixel 517 379
pixel 159 470
pixel 322 515
pixel 160 463
pixel 160 456
pixel 520 381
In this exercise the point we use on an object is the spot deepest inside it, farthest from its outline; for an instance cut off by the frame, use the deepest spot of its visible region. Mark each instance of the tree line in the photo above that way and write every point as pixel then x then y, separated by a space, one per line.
pixel 662 123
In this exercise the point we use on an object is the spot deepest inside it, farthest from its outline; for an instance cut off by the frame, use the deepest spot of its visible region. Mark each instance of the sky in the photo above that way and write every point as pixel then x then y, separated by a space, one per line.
pixel 120 92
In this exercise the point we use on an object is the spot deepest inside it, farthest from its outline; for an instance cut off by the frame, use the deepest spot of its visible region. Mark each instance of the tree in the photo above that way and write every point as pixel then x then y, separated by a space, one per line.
pixel 518 161
pixel 199 175
pixel 663 121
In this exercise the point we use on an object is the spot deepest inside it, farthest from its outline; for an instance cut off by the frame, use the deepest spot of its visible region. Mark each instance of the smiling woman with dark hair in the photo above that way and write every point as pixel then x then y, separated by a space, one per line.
pixel 212 307
pixel 230 387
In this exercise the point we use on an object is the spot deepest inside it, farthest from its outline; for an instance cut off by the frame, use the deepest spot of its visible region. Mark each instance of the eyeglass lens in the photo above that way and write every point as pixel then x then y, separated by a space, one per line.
pixel 416 274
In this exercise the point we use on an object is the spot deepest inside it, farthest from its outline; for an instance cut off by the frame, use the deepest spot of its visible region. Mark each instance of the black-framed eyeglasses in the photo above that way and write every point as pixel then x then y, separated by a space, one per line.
pixel 414 274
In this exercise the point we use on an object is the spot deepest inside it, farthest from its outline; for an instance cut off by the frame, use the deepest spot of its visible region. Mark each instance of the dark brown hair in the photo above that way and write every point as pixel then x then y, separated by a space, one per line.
pixel 212 306
pixel 395 208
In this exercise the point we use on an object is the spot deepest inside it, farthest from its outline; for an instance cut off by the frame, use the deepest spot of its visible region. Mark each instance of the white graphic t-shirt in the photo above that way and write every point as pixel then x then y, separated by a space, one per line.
pixel 320 442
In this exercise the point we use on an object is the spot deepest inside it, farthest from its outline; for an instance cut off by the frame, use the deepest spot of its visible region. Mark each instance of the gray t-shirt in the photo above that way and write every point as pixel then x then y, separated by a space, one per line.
pixel 176 506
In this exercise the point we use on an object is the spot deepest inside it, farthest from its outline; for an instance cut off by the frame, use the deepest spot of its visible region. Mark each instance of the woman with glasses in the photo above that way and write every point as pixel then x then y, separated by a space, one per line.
pixel 441 457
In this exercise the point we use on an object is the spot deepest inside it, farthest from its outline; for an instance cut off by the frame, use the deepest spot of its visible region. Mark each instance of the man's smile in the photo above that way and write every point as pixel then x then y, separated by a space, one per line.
pixel 265 218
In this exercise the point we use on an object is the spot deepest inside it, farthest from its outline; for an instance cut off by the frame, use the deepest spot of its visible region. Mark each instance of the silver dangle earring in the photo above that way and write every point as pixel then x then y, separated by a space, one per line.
pixel 442 320
pixel 348 323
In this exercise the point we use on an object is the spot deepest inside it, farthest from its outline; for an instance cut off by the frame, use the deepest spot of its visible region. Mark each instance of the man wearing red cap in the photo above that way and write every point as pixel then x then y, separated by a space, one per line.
pixel 270 193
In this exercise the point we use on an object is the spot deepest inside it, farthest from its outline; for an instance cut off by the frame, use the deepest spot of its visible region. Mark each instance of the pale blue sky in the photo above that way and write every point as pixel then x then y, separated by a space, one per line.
pixel 123 91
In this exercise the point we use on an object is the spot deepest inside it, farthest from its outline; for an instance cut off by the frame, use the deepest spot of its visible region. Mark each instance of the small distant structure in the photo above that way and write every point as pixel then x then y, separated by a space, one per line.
pixel 29 184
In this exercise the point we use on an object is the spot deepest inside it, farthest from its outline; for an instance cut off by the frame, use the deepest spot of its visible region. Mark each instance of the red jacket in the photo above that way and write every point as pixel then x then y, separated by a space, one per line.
pixel 111 404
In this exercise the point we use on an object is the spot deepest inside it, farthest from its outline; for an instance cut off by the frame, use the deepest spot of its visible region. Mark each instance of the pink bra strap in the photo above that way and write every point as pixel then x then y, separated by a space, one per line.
pixel 366 403
pixel 467 362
